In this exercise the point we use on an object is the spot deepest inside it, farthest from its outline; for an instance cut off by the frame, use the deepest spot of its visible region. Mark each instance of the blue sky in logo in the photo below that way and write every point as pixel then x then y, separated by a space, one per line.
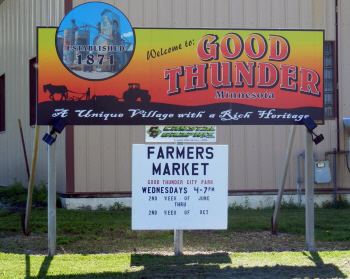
pixel 90 14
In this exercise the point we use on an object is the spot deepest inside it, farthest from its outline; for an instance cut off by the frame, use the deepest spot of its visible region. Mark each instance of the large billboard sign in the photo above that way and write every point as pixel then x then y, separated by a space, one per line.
pixel 179 187
pixel 90 74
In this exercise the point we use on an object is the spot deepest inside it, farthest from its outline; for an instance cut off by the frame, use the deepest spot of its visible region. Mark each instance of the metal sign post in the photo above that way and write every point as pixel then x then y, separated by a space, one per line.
pixel 50 138
pixel 178 242
pixel 51 203
pixel 178 236
pixel 309 193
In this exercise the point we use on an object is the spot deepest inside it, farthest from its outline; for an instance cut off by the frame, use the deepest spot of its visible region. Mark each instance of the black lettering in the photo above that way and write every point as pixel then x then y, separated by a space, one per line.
pixel 190 153
pixel 150 150
pixel 195 169
pixel 176 167
pixel 156 170
pixel 160 153
pixel 180 154
pixel 151 53
pixel 166 169
pixel 199 153
pixel 169 152
pixel 209 150
pixel 204 167
pixel 184 168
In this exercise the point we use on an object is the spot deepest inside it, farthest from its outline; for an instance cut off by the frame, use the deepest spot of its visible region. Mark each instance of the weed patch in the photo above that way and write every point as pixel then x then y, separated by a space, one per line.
pixel 117 206
pixel 341 203
pixel 15 195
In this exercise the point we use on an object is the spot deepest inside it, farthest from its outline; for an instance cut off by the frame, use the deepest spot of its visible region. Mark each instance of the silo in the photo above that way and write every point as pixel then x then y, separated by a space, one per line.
pixel 59 45
pixel 68 41
pixel 68 55
pixel 82 38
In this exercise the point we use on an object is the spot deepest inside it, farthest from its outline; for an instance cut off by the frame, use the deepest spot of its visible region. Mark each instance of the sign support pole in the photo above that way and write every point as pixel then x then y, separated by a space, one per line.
pixel 309 194
pixel 283 180
pixel 178 242
pixel 178 236
pixel 51 205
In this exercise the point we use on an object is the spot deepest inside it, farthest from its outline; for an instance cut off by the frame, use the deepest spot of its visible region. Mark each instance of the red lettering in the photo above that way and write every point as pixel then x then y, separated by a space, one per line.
pixel 289 77
pixel 243 72
pixel 221 75
pixel 237 46
pixel 249 46
pixel 207 49
pixel 309 82
pixel 173 76
pixel 279 48
pixel 268 75
pixel 198 73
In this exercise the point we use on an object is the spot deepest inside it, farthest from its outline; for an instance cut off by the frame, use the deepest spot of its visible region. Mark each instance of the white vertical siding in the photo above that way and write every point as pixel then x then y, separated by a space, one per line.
pixel 18 21
pixel 256 152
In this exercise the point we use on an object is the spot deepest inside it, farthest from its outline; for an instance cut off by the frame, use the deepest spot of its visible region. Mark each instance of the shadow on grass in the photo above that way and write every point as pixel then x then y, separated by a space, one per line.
pixel 201 266
pixel 43 269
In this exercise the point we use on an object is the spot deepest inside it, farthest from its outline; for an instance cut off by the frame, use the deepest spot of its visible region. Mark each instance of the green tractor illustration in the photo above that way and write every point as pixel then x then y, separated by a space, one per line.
pixel 134 92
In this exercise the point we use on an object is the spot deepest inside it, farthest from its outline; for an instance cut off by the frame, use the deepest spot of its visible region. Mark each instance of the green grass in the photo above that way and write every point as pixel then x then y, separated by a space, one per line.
pixel 330 224
pixel 220 265
pixel 87 231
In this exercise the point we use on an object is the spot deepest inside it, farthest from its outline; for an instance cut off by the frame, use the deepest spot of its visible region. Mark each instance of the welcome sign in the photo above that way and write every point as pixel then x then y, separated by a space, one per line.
pixel 120 75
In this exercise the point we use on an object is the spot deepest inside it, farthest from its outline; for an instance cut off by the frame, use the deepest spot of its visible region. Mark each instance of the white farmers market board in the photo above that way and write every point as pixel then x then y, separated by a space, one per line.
pixel 180 187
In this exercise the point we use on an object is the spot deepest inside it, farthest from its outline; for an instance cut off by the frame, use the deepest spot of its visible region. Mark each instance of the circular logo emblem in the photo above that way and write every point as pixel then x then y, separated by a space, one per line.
pixel 95 41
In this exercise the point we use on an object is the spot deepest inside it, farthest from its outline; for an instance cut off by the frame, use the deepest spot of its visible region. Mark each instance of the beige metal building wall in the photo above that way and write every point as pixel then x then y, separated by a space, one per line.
pixel 18 21
pixel 344 81
pixel 103 154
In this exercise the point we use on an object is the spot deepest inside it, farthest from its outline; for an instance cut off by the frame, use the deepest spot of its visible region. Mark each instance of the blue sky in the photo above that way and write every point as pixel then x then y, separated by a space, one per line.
pixel 90 14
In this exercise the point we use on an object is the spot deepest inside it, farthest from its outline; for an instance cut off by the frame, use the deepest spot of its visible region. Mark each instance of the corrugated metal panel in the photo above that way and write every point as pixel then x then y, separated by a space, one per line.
pixel 344 83
pixel 18 21
pixel 256 152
